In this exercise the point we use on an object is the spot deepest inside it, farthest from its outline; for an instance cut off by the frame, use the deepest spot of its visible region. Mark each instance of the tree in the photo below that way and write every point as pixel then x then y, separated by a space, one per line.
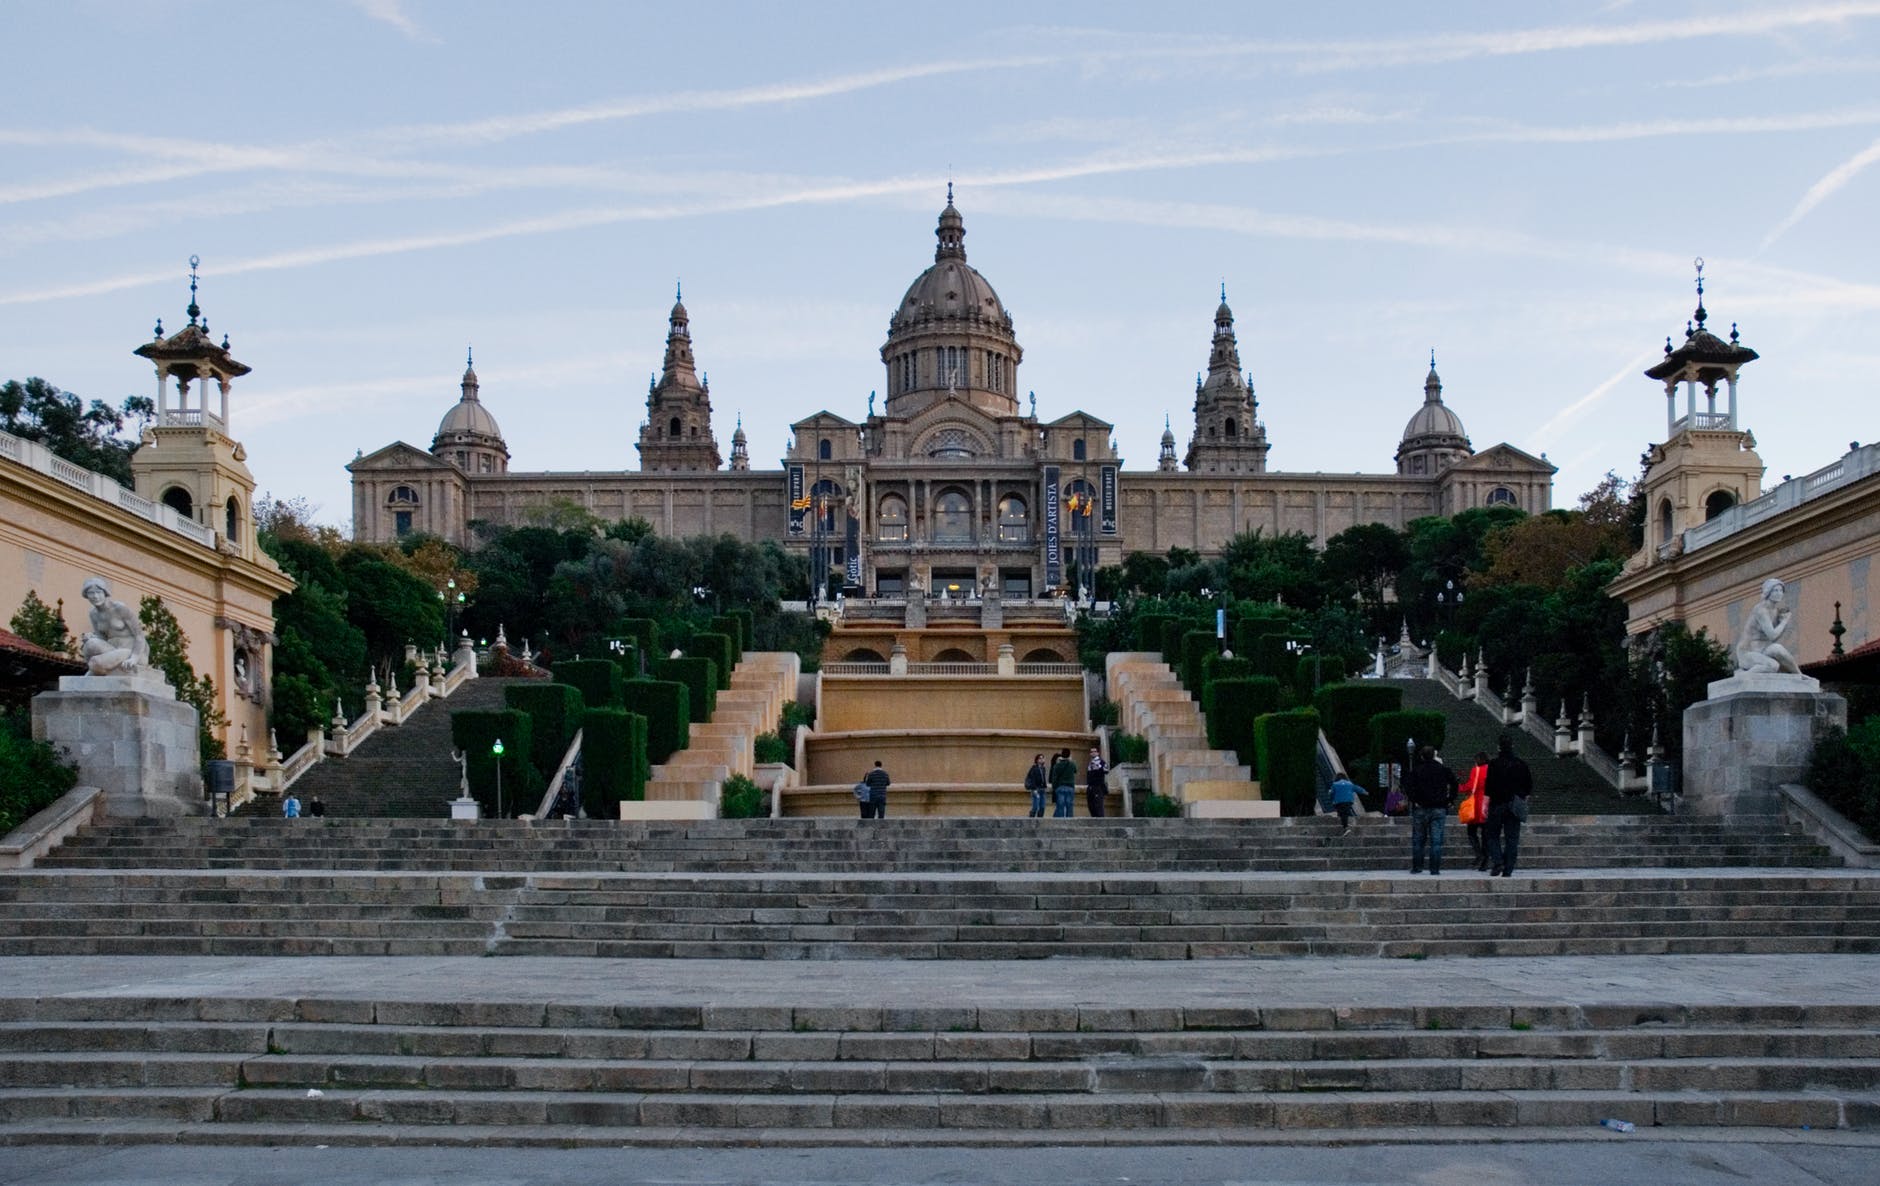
pixel 1543 549
pixel 90 436
pixel 43 625
pixel 169 653
pixel 1364 562
pixel 389 605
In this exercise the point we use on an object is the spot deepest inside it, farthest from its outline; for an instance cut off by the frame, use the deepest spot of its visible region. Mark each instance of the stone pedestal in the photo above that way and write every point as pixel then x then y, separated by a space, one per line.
pixel 130 737
pixel 1755 733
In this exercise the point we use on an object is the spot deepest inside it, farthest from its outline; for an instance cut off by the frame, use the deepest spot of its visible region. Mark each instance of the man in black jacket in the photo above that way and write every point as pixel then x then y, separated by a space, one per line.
pixel 877 805
pixel 1431 788
pixel 1509 784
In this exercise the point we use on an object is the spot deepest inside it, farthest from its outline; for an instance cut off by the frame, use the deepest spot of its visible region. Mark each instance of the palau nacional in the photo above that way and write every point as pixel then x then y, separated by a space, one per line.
pixel 952 486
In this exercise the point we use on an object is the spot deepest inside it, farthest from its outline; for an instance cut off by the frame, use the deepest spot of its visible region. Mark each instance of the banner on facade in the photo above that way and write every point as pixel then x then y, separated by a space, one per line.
pixel 799 500
pixel 1106 500
pixel 1053 536
pixel 852 541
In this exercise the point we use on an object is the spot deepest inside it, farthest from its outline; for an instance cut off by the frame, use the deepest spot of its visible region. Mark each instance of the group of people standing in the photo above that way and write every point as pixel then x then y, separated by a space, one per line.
pixel 1492 802
pixel 1060 779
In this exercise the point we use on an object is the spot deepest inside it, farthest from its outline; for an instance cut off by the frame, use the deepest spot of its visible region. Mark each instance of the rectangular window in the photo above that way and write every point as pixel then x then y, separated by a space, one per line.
pixel 401 522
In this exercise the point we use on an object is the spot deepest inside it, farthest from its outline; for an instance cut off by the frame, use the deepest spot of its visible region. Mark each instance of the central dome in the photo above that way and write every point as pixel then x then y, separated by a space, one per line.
pixel 951 333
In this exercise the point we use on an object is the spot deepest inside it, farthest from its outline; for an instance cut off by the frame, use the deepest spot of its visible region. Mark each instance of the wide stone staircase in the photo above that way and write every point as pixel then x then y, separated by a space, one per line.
pixel 360 1069
pixel 402 772
pixel 1562 786
pixel 688 784
pixel 1151 703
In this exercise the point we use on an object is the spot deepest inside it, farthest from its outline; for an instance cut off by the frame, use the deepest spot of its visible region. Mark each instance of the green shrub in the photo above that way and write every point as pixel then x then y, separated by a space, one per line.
pixel 769 748
pixel 475 732
pixel 1149 631
pixel 666 705
pixel 1104 712
pixel 613 760
pixel 32 773
pixel 741 799
pixel 555 714
pixel 1845 772
pixel 1158 807
pixel 721 649
pixel 643 633
pixel 747 628
pixel 1173 631
pixel 1197 646
pixel 732 627
pixel 1221 667
pixel 626 658
pixel 1270 657
pixel 700 676
pixel 795 716
pixel 1345 712
pixel 1128 748
pixel 597 679
pixel 1288 769
pixel 1232 706
pixel 1389 733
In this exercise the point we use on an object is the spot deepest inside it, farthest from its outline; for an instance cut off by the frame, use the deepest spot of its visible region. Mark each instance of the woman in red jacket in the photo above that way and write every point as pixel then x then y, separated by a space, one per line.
pixel 1473 809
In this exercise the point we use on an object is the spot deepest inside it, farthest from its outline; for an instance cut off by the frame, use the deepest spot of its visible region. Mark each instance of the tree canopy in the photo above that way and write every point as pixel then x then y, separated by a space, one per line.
pixel 91 435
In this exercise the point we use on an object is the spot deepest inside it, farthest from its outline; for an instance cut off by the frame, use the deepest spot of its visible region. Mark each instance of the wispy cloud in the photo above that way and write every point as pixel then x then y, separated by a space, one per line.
pixel 1800 68
pixel 1835 180
pixel 1550 431
pixel 392 12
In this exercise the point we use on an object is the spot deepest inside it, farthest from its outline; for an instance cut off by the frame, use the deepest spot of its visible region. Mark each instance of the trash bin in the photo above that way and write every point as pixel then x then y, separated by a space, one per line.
pixel 218 783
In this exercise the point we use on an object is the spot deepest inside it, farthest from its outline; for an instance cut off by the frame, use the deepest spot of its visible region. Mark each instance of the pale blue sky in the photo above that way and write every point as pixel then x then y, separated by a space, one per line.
pixel 373 186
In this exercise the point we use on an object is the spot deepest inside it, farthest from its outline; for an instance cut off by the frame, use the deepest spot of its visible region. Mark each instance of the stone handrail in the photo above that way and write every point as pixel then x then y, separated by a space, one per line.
pixel 854 668
pixel 38 457
pixel 49 827
pixel 300 761
pixel 1807 809
pixel 1603 764
pixel 561 776
pixel 1850 468
pixel 1536 725
pixel 1050 669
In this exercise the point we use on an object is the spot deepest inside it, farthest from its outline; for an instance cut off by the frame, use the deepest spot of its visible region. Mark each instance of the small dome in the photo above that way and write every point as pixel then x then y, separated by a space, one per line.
pixel 951 287
pixel 1433 419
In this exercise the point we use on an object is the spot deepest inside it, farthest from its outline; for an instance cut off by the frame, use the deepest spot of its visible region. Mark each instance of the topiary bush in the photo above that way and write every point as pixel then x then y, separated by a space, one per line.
pixel 475 733
pixel 643 633
pixel 555 715
pixel 1197 646
pixel 613 760
pixel 627 657
pixel 700 676
pixel 721 649
pixel 1221 667
pixel 1345 712
pixel 1288 743
pixel 598 680
pixel 1389 733
pixel 1149 631
pixel 743 799
pixel 1232 706
pixel 732 627
pixel 768 749
pixel 666 705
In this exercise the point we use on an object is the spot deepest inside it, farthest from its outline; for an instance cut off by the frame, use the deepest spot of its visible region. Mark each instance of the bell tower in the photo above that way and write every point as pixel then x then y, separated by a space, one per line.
pixel 1707 463
pixel 677 434
pixel 188 460
pixel 1229 439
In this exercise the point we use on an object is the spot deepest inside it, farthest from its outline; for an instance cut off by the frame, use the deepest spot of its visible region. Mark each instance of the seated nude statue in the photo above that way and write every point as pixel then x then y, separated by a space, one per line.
pixel 115 645
pixel 1759 650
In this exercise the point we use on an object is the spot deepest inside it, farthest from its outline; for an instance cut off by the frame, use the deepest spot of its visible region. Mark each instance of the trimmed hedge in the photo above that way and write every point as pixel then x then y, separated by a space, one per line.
pixel 644 634
pixel 768 748
pixel 598 680
pixel 1197 645
pixel 666 705
pixel 721 649
pixel 1217 667
pixel 700 677
pixel 474 732
pixel 1232 707
pixel 747 628
pixel 740 798
pixel 731 627
pixel 1128 748
pixel 1149 631
pixel 1173 631
pixel 1270 657
pixel 1345 712
pixel 613 760
pixel 1389 732
pixel 1288 743
pixel 555 710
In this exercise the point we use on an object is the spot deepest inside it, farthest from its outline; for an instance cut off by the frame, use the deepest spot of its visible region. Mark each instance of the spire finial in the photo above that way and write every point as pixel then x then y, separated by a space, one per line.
pixel 1223 290
pixel 678 291
pixel 195 310
pixel 949 190
pixel 1698 263
pixel 469 358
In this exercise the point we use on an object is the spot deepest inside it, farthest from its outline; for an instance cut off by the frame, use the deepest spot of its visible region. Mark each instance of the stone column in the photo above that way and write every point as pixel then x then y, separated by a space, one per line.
pixel 130 737
pixel 1754 733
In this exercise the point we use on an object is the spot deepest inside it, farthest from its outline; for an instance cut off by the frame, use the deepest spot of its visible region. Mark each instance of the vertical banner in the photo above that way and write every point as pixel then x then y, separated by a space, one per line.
pixel 1106 500
pixel 852 538
pixel 1053 539
pixel 799 500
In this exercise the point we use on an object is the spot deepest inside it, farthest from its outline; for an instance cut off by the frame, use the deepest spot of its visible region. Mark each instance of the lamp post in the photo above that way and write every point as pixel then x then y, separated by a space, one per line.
pixel 497 749
pixel 1448 601
pixel 452 600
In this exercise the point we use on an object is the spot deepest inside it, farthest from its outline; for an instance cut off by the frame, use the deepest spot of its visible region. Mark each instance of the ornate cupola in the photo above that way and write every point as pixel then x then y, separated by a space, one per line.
pixel 740 448
pixel 468 436
pixel 1707 463
pixel 1434 438
pixel 187 460
pixel 1229 439
pixel 677 435
pixel 1165 461
pixel 950 337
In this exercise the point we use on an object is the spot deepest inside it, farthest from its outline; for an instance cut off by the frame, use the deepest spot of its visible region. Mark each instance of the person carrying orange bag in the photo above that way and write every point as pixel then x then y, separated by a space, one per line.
pixel 1473 808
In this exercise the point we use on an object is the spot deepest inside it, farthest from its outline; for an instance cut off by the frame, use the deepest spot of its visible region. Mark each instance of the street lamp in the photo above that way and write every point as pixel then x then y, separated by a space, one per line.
pixel 497 749
pixel 453 602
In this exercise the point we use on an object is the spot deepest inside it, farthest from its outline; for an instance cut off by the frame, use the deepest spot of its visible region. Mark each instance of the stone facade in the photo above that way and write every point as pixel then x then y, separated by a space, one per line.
pixel 952 486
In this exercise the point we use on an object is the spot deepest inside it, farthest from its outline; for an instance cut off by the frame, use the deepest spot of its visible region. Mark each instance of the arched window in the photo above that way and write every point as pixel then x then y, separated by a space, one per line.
pixel 953 518
pixel 1501 496
pixel 1014 520
pixel 403 496
pixel 178 500
pixel 1718 502
pixel 1079 451
pixel 1664 521
pixel 672 428
pixel 822 449
pixel 891 519
pixel 1227 430
pixel 826 498
pixel 232 520
pixel 1080 499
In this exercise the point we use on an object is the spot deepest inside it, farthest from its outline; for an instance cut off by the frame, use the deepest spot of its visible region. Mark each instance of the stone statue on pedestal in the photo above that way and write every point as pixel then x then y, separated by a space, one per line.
pixel 115 644
pixel 1759 649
